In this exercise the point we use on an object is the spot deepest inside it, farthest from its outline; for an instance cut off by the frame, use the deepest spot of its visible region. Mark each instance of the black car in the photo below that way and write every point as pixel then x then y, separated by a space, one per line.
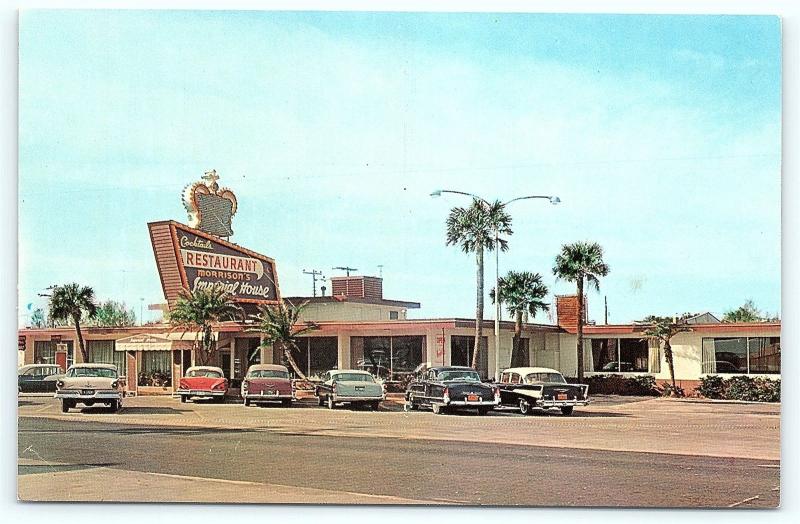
pixel 449 388
pixel 38 378
pixel 532 388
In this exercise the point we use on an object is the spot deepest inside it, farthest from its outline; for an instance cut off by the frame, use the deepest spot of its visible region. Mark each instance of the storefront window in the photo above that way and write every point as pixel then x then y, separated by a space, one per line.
pixel 44 352
pixel 620 355
pixel 390 358
pixel 102 352
pixel 156 368
pixel 742 355
pixel 461 349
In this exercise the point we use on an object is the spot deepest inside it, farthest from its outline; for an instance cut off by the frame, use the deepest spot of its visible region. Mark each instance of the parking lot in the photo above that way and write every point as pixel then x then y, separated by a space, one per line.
pixel 615 452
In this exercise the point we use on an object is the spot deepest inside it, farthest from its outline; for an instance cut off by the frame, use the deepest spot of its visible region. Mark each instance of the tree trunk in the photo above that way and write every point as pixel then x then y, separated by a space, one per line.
pixel 515 349
pixel 287 352
pixel 580 328
pixel 84 353
pixel 478 310
pixel 668 356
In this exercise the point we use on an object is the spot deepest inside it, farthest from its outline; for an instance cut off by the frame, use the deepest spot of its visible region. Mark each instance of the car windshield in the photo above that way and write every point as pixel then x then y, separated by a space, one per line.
pixel 353 377
pixel 534 378
pixel 92 372
pixel 210 373
pixel 268 373
pixel 466 375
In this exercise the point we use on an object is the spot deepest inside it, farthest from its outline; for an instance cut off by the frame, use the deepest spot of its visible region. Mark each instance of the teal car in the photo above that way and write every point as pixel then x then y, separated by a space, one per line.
pixel 349 386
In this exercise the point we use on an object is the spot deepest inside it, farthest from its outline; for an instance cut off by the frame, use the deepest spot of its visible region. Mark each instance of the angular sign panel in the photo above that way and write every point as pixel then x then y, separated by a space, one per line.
pixel 191 259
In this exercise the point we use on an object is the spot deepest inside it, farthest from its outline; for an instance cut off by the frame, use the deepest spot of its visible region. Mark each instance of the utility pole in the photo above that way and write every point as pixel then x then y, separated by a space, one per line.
pixel 347 269
pixel 605 300
pixel 314 275
pixel 380 270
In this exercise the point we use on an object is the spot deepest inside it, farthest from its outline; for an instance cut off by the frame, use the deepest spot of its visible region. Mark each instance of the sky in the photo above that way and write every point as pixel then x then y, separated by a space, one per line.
pixel 660 135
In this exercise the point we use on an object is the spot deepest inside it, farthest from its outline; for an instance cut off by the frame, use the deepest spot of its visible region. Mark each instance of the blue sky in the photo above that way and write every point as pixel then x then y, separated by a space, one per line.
pixel 661 136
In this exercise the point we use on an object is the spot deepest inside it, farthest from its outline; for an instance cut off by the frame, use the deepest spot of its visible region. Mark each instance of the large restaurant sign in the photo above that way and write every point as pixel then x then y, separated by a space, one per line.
pixel 191 259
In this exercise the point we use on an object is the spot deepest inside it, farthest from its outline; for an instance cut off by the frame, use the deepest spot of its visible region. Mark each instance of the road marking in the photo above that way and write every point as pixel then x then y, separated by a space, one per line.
pixel 776 466
pixel 745 501
pixel 253 483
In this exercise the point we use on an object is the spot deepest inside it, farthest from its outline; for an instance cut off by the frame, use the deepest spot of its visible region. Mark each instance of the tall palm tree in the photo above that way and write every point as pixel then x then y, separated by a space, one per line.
pixel 477 228
pixel 197 311
pixel 69 303
pixel 281 325
pixel 661 330
pixel 581 262
pixel 522 292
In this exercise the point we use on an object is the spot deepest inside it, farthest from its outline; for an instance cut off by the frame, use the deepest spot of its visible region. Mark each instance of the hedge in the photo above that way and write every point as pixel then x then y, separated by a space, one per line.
pixel 753 389
pixel 641 385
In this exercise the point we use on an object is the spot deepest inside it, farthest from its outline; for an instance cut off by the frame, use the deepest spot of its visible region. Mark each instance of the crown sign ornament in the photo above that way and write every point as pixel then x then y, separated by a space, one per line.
pixel 210 207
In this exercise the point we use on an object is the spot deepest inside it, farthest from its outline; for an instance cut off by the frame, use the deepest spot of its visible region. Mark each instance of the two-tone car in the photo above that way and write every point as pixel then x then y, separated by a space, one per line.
pixel 530 388
pixel 267 383
pixel 349 386
pixel 449 388
pixel 38 378
pixel 203 382
pixel 90 384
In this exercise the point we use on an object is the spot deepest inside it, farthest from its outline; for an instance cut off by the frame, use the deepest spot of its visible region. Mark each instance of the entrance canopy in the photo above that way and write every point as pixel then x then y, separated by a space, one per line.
pixel 150 342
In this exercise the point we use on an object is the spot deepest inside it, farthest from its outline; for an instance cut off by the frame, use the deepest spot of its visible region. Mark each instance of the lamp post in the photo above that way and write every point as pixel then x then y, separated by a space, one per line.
pixel 497 300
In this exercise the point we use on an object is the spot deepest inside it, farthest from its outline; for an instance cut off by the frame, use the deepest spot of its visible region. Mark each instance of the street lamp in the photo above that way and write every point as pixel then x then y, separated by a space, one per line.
pixel 553 200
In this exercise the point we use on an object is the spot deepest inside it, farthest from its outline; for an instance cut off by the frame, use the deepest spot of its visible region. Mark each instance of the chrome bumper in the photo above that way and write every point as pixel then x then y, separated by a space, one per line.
pixel 464 403
pixel 200 393
pixel 560 403
pixel 261 396
pixel 338 398
pixel 97 395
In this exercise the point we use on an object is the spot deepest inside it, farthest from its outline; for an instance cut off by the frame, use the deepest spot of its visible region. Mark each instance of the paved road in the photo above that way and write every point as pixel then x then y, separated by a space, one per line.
pixel 145 462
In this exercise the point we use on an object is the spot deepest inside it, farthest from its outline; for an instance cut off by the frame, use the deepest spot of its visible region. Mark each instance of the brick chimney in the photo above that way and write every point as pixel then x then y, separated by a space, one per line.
pixel 567 311
pixel 357 286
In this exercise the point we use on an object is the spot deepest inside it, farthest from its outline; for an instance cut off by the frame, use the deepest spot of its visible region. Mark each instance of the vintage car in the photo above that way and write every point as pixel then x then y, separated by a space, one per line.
pixel 532 388
pixel 90 384
pixel 37 378
pixel 267 383
pixel 203 382
pixel 349 386
pixel 448 388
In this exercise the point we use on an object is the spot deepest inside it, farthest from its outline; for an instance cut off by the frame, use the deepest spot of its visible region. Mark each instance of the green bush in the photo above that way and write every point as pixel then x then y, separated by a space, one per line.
pixel 742 387
pixel 712 386
pixel 667 390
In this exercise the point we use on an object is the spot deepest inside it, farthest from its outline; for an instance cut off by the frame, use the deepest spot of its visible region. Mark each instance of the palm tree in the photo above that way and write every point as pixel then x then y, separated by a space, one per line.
pixel 68 303
pixel 581 262
pixel 661 330
pixel 197 311
pixel 281 325
pixel 521 292
pixel 474 229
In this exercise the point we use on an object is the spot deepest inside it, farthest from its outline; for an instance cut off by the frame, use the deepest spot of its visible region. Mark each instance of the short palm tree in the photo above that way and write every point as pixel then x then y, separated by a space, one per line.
pixel 661 330
pixel 69 303
pixel 197 311
pixel 280 325
pixel 581 262
pixel 521 292
pixel 477 228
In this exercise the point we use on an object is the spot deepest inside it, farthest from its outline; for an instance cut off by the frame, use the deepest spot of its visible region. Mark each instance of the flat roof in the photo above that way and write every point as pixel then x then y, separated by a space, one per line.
pixel 357 300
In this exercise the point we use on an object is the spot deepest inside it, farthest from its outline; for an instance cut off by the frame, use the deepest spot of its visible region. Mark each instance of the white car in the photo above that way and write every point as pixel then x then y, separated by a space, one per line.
pixel 90 384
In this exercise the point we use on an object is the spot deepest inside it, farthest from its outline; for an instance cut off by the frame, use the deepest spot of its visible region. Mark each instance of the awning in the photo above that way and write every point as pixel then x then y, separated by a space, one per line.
pixel 150 342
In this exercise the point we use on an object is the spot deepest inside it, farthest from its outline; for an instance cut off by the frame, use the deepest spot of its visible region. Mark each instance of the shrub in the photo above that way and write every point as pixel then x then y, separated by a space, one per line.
pixel 752 389
pixel 712 386
pixel 667 390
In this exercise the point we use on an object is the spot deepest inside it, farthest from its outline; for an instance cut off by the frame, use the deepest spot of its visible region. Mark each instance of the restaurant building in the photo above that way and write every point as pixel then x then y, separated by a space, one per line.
pixel 359 329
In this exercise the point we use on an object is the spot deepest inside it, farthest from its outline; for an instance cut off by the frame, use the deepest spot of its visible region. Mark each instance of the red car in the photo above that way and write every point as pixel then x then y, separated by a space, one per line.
pixel 203 382
pixel 267 383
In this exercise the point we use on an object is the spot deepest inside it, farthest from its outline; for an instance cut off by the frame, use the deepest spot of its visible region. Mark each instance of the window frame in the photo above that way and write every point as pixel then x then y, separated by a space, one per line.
pixel 618 360
pixel 747 340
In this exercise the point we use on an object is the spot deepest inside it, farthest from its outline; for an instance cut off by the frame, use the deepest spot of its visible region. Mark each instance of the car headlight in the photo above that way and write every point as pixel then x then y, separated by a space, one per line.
pixel 59 384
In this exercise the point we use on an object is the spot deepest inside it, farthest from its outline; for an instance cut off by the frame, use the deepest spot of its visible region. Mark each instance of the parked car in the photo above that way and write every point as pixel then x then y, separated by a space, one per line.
pixel 349 386
pixel 267 383
pixel 203 382
pixel 448 388
pixel 532 388
pixel 90 384
pixel 37 378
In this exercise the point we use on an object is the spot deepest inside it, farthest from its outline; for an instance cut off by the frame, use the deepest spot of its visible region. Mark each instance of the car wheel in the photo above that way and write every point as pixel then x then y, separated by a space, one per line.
pixel 114 405
pixel 376 406
pixel 320 401
pixel 331 405
pixel 437 409
pixel 246 402
pixel 525 407
pixel 65 406
pixel 483 411
pixel 286 403
pixel 184 398
pixel 567 410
